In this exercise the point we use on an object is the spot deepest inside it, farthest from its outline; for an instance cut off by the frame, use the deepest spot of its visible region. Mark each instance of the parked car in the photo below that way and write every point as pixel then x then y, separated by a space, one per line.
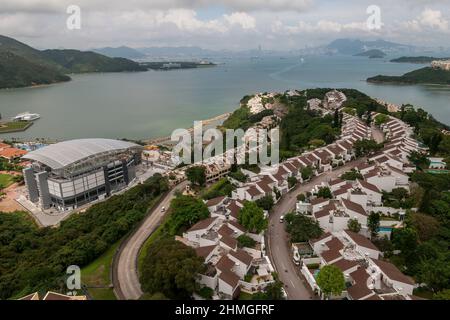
pixel 281 219
pixel 163 209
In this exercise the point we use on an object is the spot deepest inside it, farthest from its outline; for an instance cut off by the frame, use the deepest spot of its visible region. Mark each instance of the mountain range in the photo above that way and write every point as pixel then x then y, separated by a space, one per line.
pixel 23 66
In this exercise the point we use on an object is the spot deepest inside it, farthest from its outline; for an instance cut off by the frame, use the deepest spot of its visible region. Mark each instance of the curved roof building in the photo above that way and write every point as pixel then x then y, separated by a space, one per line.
pixel 65 154
pixel 68 174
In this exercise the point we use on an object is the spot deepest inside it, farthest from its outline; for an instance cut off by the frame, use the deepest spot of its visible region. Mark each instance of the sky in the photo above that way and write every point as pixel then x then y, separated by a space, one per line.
pixel 223 24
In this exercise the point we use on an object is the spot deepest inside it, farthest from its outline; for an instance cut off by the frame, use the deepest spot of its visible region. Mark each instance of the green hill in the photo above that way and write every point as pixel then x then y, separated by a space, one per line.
pixel 426 75
pixel 16 72
pixel 420 59
pixel 22 65
pixel 373 54
pixel 81 62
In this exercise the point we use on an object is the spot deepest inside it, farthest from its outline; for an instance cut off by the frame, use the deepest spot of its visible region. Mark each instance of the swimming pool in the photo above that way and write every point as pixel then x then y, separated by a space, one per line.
pixel 385 229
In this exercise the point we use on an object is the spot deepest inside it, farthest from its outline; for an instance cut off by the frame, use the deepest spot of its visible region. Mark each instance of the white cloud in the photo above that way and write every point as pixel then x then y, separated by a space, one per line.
pixel 242 19
pixel 433 19
pixel 429 19
pixel 234 5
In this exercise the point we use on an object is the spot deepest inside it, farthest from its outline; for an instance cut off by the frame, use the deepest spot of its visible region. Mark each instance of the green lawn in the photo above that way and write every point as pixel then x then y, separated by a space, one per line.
pixel 14 126
pixel 154 236
pixel 5 180
pixel 98 273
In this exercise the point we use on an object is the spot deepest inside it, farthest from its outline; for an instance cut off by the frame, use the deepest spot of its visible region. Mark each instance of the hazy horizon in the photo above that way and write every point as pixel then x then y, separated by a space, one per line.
pixel 280 25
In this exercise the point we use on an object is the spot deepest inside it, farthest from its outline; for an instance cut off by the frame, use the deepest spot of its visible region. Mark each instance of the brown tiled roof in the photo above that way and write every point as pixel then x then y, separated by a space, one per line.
pixel 335 181
pixel 369 186
pixel 334 244
pixel 318 201
pixel 322 213
pixel 345 144
pixel 323 236
pixel 264 187
pixel 225 230
pixel 236 225
pixel 361 240
pixel 32 296
pixel 382 159
pixel 215 201
pixel 374 297
pixel 356 207
pixel 229 241
pixel 371 173
pixel 345 265
pixel 253 191
pixel 331 255
pixel 242 256
pixel 204 251
pixel 392 271
pixel 396 170
pixel 335 149
pixel 202 224
pixel 305 160
pixel 229 277
pixel 234 209
pixel 225 264
pixel 359 289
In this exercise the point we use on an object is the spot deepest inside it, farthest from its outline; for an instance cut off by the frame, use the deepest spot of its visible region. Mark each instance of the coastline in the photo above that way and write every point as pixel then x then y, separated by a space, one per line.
pixel 207 122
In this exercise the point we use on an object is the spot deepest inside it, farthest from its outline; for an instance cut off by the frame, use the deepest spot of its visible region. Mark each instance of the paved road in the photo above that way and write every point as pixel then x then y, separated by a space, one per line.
pixel 126 278
pixel 278 244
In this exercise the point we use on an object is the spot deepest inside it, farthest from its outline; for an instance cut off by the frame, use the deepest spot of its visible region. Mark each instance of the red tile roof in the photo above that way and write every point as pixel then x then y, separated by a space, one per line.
pixel 393 272
pixel 360 240
pixel 203 224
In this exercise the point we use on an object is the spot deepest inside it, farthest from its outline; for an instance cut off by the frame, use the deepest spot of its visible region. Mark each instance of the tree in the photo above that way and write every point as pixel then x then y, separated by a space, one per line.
pixel 251 217
pixel 246 241
pixel 265 203
pixel 301 228
pixel 325 193
pixel 373 223
pixel 419 159
pixel 171 268
pixel 185 211
pixel 365 147
pixel 352 175
pixel 292 181
pixel 317 143
pixel 331 280
pixel 196 175
pixel 442 295
pixel 380 119
pixel 307 173
pixel 405 240
pixel 301 197
pixel 354 225
pixel 425 225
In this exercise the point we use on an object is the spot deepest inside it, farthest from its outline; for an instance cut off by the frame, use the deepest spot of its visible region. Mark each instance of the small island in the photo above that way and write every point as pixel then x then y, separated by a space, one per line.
pixel 418 60
pixel 372 54
pixel 174 65
pixel 427 75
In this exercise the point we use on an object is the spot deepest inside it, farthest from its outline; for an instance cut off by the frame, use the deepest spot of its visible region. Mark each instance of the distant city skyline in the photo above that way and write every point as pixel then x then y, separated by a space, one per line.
pixel 223 24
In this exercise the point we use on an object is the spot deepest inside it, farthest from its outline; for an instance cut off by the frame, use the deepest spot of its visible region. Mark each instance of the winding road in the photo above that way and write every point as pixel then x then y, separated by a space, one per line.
pixel 278 244
pixel 125 268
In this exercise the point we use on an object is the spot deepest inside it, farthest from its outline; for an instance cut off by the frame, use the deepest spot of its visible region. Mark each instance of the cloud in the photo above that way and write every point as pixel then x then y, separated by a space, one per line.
pixel 105 5
pixel 242 19
pixel 433 19
pixel 429 19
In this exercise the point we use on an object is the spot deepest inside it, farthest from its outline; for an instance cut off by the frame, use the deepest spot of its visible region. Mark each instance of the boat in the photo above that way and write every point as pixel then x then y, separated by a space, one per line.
pixel 27 116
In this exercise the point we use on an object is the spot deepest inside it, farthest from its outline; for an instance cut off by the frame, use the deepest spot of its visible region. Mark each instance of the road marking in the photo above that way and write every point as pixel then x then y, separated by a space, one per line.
pixel 292 283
